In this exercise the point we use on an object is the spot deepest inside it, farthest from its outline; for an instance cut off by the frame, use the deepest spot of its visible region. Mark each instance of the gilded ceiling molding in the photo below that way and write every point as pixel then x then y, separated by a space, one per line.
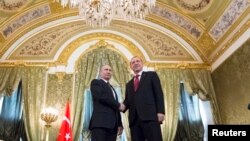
pixel 157 44
pixel 232 34
pixel 175 18
pixel 228 18
pixel 26 64
pixel 101 43
pixel 12 5
pixel 25 18
pixel 55 15
pixel 194 6
pixel 195 45
pixel 207 44
pixel 29 27
pixel 64 56
pixel 229 43
pixel 104 44
pixel 102 37
pixel 44 45
pixel 183 65
pixel 147 64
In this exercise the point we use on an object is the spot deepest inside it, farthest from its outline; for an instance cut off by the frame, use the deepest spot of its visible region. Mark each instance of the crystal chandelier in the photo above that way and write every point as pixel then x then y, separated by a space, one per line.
pixel 99 13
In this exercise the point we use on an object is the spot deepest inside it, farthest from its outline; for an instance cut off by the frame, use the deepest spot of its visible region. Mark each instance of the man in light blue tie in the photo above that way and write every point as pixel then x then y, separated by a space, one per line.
pixel 105 123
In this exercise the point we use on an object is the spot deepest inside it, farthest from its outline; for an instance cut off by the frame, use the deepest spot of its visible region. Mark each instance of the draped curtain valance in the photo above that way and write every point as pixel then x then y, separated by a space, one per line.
pixel 9 80
pixel 33 86
pixel 196 81
pixel 199 81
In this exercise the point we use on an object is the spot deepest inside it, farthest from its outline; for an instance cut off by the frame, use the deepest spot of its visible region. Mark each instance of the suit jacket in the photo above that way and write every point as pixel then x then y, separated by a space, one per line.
pixel 147 100
pixel 106 112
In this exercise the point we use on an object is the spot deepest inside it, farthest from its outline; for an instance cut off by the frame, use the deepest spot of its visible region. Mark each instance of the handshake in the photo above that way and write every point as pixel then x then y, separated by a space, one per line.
pixel 122 107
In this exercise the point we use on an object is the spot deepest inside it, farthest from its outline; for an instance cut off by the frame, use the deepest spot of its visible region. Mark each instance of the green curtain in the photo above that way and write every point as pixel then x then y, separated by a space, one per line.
pixel 33 86
pixel 9 80
pixel 190 126
pixel 12 126
pixel 170 80
pixel 87 68
pixel 199 81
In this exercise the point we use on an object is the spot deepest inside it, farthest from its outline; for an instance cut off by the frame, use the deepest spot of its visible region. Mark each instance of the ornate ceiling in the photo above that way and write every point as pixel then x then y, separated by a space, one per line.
pixel 178 33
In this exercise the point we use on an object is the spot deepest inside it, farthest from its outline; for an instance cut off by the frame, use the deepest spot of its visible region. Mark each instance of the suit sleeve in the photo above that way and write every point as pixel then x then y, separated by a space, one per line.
pixel 102 96
pixel 158 94
pixel 120 120
pixel 125 102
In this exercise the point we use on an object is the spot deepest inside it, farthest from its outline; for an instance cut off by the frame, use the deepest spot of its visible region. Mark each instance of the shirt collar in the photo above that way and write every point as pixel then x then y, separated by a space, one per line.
pixel 138 73
pixel 104 80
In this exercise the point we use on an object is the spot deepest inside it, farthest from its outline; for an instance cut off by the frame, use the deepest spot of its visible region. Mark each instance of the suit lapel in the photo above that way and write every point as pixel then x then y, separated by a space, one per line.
pixel 142 80
pixel 107 87
pixel 131 84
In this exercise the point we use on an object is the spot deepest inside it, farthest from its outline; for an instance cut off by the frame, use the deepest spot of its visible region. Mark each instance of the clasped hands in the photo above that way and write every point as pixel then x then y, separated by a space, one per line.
pixel 122 107
pixel 160 116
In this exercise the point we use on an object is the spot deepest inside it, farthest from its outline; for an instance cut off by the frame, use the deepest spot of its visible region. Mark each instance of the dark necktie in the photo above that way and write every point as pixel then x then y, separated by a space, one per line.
pixel 136 82
pixel 113 91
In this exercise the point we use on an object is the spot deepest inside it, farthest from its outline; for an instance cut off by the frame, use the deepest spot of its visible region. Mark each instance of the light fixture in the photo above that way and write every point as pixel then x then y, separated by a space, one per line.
pixel 49 115
pixel 99 13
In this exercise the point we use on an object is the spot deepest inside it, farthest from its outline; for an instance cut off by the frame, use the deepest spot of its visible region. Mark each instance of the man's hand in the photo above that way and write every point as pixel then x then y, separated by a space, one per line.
pixel 161 117
pixel 122 107
pixel 119 130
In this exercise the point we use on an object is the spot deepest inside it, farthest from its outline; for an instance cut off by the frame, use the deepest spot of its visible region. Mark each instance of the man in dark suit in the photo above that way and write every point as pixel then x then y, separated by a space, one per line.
pixel 105 122
pixel 144 99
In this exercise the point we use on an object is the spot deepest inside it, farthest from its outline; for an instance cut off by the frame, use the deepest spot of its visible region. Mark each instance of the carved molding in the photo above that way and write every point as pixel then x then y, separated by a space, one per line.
pixel 25 18
pixel 12 5
pixel 158 45
pixel 235 9
pixel 96 36
pixel 179 20
pixel 194 6
pixel 245 27
pixel 45 44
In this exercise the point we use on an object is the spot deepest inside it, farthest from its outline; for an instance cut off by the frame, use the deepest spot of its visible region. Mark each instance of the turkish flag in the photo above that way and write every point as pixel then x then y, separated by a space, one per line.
pixel 65 133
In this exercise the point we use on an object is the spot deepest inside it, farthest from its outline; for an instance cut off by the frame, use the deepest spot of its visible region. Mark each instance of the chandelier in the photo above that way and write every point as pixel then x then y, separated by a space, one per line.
pixel 49 115
pixel 99 13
